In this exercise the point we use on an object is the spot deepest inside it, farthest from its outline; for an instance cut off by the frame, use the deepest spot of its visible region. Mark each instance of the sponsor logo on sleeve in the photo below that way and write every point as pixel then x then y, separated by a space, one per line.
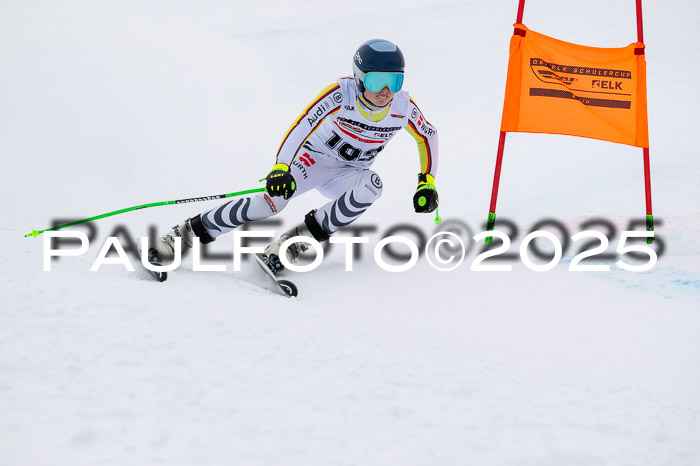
pixel 301 168
pixel 303 162
pixel 307 159
pixel 317 113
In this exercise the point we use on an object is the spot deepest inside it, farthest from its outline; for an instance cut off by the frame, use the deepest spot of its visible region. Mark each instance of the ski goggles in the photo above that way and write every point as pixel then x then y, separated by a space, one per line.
pixel 375 81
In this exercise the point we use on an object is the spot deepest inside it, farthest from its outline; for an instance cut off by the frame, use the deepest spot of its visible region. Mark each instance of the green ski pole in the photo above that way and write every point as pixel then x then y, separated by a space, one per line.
pixel 36 233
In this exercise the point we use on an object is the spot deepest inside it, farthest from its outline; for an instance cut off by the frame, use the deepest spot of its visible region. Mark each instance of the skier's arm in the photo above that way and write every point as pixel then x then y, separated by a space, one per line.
pixel 426 137
pixel 425 198
pixel 326 103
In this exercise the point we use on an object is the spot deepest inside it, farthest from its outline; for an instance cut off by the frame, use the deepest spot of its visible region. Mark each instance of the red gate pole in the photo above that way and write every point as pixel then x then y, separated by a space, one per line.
pixel 491 221
pixel 521 8
pixel 640 26
pixel 647 168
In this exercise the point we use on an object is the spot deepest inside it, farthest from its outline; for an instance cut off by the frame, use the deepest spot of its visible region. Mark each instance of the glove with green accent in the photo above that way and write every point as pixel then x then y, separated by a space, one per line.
pixel 280 182
pixel 426 197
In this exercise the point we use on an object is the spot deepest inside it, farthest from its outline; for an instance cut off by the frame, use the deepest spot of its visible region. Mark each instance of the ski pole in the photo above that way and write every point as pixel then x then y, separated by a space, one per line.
pixel 36 233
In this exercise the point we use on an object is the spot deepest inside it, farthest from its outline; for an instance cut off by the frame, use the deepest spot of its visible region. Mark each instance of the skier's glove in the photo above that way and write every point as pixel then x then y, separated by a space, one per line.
pixel 280 182
pixel 426 197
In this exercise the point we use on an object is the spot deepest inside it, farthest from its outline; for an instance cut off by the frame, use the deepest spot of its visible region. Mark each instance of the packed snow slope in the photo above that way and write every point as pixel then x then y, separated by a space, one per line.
pixel 106 105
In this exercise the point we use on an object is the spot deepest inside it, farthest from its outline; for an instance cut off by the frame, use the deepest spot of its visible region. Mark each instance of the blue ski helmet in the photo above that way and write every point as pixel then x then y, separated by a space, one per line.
pixel 376 63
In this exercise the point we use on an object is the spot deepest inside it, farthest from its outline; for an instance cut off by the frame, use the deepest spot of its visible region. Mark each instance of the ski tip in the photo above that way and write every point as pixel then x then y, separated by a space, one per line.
pixel 290 289
pixel 33 234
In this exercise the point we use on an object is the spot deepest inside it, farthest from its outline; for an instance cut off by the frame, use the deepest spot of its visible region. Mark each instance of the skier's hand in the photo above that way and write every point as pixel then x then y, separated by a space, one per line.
pixel 280 182
pixel 426 197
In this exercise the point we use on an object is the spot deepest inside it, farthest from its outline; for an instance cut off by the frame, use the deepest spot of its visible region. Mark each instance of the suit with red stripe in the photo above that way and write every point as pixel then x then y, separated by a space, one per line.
pixel 330 148
pixel 342 126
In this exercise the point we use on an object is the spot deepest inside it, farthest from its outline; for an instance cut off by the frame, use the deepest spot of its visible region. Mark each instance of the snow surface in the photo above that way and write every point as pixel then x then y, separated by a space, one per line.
pixel 105 105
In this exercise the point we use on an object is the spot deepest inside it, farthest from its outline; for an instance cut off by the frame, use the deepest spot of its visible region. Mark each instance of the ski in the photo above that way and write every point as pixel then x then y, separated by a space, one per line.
pixel 283 287
pixel 158 276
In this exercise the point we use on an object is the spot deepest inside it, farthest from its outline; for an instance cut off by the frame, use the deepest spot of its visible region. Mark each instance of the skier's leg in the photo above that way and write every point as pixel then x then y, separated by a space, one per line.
pixel 356 190
pixel 309 228
pixel 207 226
pixel 235 213
pixel 359 191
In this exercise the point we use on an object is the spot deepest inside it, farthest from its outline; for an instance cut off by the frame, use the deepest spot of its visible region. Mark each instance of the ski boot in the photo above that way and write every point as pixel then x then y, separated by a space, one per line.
pixel 309 228
pixel 162 252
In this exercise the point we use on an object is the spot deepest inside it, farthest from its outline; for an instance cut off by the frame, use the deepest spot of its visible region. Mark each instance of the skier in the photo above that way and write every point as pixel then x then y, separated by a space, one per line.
pixel 330 148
